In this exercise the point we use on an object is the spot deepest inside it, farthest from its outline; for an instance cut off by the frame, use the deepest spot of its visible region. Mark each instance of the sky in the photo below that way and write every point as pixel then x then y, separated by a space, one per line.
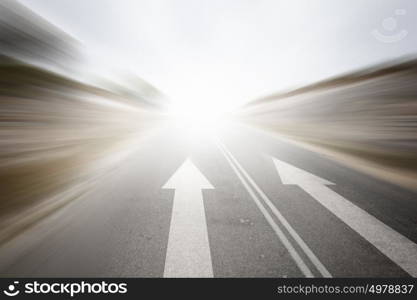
pixel 229 52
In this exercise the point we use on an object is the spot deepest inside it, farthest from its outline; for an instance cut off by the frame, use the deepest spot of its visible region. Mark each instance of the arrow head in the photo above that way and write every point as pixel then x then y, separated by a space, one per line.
pixel 293 175
pixel 188 176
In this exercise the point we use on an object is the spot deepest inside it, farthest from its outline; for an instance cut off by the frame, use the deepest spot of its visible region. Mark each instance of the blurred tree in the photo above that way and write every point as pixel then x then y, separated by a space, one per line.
pixel 28 37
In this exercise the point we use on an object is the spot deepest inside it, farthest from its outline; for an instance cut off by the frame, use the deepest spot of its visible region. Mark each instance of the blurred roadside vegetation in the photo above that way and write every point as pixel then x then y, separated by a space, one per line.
pixel 370 114
pixel 56 133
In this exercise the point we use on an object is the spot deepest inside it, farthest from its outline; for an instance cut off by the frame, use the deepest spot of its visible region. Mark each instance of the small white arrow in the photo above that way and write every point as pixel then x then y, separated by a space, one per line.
pixel 188 253
pixel 395 246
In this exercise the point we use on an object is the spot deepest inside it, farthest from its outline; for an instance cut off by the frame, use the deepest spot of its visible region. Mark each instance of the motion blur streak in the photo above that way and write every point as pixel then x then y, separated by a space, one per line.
pixel 367 119
pixel 56 134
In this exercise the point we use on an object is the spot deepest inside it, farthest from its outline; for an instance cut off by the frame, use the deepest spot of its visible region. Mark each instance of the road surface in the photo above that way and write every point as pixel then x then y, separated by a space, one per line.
pixel 242 204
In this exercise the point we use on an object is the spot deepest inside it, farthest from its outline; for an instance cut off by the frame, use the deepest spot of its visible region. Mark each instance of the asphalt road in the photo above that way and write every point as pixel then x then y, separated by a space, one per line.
pixel 249 223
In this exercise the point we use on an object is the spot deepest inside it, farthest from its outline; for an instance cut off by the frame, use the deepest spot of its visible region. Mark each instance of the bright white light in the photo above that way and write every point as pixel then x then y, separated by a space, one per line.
pixel 201 107
pixel 197 120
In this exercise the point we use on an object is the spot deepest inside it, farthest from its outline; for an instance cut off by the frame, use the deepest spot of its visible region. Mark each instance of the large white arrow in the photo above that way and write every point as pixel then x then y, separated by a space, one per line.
pixel 391 243
pixel 188 253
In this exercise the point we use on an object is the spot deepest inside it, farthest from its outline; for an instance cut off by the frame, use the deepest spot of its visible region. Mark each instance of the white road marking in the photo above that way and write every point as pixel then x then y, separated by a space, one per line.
pixel 250 185
pixel 188 253
pixel 395 246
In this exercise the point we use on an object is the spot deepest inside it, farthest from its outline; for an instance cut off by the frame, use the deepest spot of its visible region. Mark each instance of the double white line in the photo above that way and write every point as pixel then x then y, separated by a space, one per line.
pixel 262 202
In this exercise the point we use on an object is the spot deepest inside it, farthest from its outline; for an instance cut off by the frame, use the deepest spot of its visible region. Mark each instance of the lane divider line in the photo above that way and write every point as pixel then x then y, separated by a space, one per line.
pixel 251 187
pixel 290 248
